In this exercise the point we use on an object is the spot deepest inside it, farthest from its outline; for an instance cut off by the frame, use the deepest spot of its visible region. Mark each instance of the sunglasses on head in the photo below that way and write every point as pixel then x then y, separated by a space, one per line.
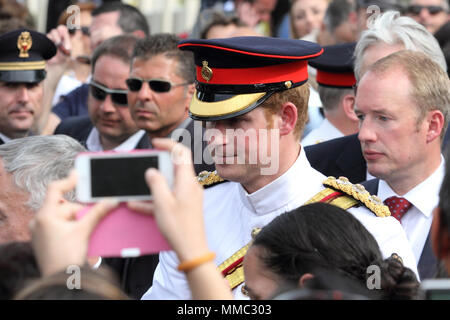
pixel 99 92
pixel 135 84
pixel 84 30
pixel 416 9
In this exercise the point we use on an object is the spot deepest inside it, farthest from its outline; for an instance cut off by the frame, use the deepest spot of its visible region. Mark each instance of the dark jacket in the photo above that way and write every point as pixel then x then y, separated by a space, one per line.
pixel 339 157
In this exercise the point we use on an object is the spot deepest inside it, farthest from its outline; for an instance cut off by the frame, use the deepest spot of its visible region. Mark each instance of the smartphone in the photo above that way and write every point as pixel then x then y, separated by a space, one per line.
pixel 119 175
pixel 435 289
pixel 124 233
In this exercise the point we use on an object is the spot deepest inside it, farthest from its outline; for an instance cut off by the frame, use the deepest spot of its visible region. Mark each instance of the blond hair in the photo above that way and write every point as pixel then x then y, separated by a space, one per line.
pixel 430 85
pixel 299 96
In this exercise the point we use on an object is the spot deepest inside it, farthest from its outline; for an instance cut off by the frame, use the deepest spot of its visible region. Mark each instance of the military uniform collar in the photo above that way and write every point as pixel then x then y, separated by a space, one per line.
pixel 279 192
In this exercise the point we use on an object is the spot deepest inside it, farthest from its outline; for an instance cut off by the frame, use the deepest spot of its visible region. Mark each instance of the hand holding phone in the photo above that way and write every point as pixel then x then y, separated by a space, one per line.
pixel 179 209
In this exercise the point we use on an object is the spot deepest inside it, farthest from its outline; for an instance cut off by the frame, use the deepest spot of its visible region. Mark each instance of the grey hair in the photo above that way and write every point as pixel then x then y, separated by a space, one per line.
pixel 36 161
pixel 337 13
pixel 392 29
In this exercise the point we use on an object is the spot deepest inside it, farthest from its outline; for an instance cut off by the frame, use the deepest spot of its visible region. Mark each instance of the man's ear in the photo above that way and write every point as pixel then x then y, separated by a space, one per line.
pixel 348 103
pixel 288 114
pixel 435 125
pixel 305 277
pixel 440 238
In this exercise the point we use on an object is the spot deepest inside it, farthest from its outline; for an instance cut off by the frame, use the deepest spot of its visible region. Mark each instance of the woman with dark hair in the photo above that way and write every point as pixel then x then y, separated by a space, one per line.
pixel 321 238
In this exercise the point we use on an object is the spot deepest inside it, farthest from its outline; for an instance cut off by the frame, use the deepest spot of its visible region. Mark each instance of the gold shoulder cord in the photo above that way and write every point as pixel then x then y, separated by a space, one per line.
pixel 206 178
pixel 358 192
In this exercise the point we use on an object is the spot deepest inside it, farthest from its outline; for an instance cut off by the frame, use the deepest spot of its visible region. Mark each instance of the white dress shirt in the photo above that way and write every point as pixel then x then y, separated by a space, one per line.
pixel 326 131
pixel 231 213
pixel 4 138
pixel 424 198
pixel 93 141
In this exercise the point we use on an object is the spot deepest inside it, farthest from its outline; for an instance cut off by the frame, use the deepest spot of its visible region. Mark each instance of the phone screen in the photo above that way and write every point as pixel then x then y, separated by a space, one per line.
pixel 121 176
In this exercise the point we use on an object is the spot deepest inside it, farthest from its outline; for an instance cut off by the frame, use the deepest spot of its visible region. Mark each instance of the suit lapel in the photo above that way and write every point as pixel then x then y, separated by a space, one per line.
pixel 427 265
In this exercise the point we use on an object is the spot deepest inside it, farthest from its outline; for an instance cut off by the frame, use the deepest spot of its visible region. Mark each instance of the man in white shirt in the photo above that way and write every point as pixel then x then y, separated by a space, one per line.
pixel 336 80
pixel 255 110
pixel 402 104
pixel 109 125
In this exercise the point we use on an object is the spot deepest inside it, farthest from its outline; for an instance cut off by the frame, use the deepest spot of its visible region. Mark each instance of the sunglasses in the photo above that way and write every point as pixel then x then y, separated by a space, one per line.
pixel 85 30
pixel 416 9
pixel 99 92
pixel 135 84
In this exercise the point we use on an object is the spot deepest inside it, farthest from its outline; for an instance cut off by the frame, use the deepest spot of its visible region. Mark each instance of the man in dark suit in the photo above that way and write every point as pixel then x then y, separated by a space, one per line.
pixel 109 125
pixel 343 156
pixel 160 89
pixel 23 55
pixel 401 132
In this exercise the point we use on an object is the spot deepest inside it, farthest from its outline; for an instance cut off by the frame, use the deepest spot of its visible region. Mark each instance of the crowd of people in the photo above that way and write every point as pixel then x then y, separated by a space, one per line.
pixel 309 144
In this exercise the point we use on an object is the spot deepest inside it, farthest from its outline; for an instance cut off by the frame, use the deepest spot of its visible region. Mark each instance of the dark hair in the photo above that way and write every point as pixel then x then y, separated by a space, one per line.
pixel 332 96
pixel 119 46
pixel 218 18
pixel 99 284
pixel 167 44
pixel 130 18
pixel 321 236
pixel 17 266
pixel 337 13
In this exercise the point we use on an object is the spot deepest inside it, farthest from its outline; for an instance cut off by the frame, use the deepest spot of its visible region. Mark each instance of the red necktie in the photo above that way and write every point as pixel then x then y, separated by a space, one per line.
pixel 397 206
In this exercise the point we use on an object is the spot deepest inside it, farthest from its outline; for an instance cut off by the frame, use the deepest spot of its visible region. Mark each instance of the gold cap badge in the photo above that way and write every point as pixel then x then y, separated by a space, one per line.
pixel 24 43
pixel 207 73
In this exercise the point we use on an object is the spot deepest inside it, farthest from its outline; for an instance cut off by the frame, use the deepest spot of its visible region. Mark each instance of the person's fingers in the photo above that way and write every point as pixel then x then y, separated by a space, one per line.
pixel 97 212
pixel 69 210
pixel 56 190
pixel 147 208
pixel 162 195
pixel 65 37
pixel 54 36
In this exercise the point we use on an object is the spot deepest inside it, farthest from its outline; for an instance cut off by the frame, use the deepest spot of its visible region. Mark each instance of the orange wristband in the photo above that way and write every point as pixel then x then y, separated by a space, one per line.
pixel 191 264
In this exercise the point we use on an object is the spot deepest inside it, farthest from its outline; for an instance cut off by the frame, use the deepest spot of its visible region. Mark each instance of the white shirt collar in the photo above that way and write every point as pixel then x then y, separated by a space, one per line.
pixel 4 138
pixel 93 141
pixel 429 187
pixel 284 189
pixel 326 131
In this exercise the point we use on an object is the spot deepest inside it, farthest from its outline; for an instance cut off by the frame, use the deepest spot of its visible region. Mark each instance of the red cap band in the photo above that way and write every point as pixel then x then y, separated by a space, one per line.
pixel 294 71
pixel 346 79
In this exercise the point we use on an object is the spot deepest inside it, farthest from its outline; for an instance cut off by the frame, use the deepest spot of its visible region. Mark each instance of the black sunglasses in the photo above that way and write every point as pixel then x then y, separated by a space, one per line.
pixel 416 9
pixel 99 92
pixel 135 84
pixel 85 30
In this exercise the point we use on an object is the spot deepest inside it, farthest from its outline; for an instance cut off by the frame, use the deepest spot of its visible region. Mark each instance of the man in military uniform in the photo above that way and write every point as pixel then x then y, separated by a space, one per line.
pixel 252 96
pixel 22 68
pixel 336 79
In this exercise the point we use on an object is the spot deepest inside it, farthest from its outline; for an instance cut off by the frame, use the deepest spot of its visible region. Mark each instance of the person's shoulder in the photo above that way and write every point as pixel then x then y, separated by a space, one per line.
pixel 74 126
pixel 355 195
pixel 336 143
pixel 209 179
